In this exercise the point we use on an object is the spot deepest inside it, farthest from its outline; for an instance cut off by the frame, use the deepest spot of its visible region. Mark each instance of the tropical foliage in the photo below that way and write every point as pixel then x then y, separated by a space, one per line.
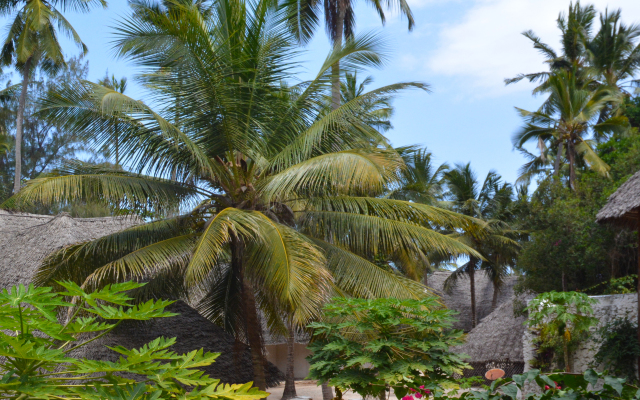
pixel 280 202
pixel 497 242
pixel 534 385
pixel 372 346
pixel 38 350
pixel 563 315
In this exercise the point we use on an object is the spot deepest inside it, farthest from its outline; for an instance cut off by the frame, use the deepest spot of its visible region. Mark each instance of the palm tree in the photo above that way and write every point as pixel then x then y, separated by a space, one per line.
pixel 575 32
pixel 574 107
pixel 339 19
pixel 495 243
pixel 32 41
pixel 279 206
pixel 376 112
pixel 422 180
pixel 614 51
pixel 119 86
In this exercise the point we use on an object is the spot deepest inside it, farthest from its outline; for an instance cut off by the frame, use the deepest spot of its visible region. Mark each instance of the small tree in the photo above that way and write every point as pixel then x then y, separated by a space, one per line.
pixel 371 346
pixel 563 315
pixel 36 349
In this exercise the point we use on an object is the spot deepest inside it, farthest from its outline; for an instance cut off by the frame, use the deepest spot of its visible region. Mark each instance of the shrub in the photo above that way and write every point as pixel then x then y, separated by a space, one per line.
pixel 556 386
pixel 35 347
pixel 619 349
pixel 563 319
pixel 371 346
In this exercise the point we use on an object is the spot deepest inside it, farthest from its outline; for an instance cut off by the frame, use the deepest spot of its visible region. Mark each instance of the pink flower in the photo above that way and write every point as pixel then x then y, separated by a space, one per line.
pixel 546 387
pixel 407 398
pixel 427 391
pixel 422 387
pixel 412 390
pixel 418 396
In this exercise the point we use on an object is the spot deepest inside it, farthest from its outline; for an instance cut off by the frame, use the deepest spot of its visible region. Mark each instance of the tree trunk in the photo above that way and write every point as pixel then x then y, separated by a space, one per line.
pixel 17 182
pixel 472 283
pixel 327 392
pixel 572 165
pixel 253 327
pixel 556 163
pixel 337 44
pixel 565 350
pixel 494 301
pixel 289 382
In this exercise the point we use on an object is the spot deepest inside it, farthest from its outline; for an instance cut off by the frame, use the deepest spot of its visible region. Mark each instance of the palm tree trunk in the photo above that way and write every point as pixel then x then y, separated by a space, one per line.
pixel 253 327
pixel 472 283
pixel 337 44
pixel 572 164
pixel 556 163
pixel 289 382
pixel 17 182
pixel 494 301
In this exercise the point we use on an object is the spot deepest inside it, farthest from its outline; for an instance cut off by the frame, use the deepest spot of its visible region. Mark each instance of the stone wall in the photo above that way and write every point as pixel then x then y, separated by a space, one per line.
pixel 607 309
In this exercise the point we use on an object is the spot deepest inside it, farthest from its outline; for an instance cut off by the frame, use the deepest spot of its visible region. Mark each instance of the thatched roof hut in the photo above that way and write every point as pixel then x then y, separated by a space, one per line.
pixel 26 239
pixel 497 337
pixel 192 331
pixel 460 297
pixel 623 205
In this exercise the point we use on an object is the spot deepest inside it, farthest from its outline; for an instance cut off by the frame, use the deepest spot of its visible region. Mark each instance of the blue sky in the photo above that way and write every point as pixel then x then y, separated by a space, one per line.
pixel 462 48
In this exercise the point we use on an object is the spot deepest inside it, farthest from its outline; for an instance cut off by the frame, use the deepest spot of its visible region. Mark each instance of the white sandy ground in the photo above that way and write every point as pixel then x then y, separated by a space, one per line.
pixel 308 389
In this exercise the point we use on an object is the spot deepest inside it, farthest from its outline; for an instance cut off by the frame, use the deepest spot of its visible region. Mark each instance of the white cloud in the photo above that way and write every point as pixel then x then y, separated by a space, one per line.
pixel 485 45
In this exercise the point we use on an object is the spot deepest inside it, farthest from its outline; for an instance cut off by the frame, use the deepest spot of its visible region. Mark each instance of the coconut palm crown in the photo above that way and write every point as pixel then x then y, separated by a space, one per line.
pixel 279 199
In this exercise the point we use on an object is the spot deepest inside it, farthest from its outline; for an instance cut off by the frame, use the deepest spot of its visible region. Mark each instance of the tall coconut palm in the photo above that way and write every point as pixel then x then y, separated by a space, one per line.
pixel 120 86
pixel 571 119
pixel 279 206
pixel 422 180
pixel 32 41
pixel 614 51
pixel 496 242
pixel 377 112
pixel 576 29
pixel 339 19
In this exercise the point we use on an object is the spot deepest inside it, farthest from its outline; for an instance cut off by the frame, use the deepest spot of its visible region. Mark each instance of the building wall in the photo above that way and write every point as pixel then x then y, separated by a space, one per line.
pixel 607 309
pixel 277 354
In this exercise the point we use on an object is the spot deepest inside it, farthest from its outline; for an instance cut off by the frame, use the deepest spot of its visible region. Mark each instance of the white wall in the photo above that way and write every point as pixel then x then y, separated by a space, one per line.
pixel 607 309
pixel 277 354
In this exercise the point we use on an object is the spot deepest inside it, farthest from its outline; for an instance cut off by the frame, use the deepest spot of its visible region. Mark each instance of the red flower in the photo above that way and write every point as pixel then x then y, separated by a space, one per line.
pixel 546 387
pixel 418 396
pixel 427 391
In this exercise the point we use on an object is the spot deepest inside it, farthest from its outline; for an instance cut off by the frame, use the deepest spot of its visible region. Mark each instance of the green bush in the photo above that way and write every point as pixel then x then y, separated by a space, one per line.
pixel 371 346
pixel 619 349
pixel 35 347
pixel 563 320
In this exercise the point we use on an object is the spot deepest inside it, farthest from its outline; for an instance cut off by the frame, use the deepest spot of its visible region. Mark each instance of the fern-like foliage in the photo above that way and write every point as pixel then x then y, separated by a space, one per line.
pixel 36 348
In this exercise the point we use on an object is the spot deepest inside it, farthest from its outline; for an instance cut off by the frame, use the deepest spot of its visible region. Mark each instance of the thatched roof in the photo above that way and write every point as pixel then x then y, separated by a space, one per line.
pixel 26 239
pixel 460 297
pixel 192 331
pixel 623 205
pixel 497 337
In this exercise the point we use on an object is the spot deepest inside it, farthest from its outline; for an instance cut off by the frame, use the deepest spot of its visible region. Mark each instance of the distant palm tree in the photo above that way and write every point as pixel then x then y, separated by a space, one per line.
pixel 32 41
pixel 377 112
pixel 496 242
pixel 120 86
pixel 571 118
pixel 614 51
pixel 339 20
pixel 280 205
pixel 422 181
